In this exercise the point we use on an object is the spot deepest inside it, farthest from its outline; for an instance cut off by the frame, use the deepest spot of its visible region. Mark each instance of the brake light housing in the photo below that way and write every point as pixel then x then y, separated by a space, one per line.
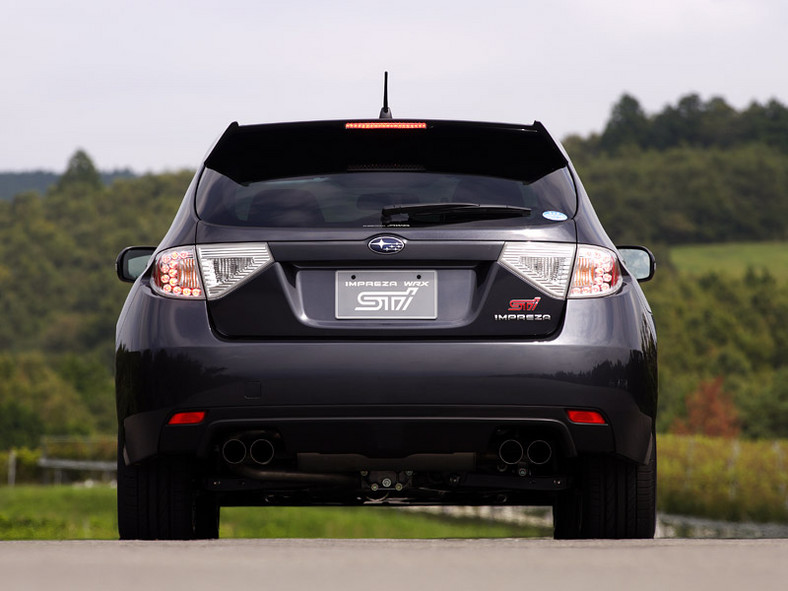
pixel 564 270
pixel 176 274
pixel 597 273
pixel 227 266
pixel 386 125
pixel 209 271
pixel 545 265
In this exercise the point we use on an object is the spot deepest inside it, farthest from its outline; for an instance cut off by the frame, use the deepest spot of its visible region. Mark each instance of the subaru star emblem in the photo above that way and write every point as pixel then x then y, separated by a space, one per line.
pixel 386 245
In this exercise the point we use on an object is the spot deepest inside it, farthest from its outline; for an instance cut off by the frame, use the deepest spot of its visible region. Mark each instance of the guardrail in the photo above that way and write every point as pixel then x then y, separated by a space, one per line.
pixel 53 447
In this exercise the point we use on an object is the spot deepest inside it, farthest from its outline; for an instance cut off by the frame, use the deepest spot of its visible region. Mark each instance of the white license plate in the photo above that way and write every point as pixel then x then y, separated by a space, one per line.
pixel 379 295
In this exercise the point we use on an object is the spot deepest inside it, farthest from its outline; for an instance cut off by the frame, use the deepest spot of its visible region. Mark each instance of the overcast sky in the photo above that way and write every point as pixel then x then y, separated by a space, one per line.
pixel 150 84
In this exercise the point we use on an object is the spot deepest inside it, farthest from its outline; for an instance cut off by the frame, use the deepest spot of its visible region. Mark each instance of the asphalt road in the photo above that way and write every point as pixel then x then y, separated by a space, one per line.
pixel 383 565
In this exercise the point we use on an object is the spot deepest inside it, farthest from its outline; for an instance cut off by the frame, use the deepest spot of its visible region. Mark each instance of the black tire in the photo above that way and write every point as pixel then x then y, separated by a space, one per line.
pixel 157 500
pixel 615 499
pixel 206 517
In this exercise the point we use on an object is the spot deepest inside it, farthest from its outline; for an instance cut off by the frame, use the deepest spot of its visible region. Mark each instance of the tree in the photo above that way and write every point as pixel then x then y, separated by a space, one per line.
pixel 80 171
pixel 711 412
pixel 765 411
pixel 628 125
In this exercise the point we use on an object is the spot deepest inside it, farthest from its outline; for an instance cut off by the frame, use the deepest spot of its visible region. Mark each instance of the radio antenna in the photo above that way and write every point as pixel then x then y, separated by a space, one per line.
pixel 385 112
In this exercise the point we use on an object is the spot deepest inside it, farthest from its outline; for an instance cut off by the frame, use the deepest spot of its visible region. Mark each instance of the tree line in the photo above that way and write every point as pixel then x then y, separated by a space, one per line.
pixel 14 183
pixel 691 122
pixel 60 298
pixel 696 172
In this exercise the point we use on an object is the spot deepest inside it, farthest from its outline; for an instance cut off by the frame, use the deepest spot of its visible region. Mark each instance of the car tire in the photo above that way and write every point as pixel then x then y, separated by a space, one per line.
pixel 615 499
pixel 157 500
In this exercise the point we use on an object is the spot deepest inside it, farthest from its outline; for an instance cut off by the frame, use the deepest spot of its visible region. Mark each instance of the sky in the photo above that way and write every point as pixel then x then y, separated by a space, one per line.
pixel 150 84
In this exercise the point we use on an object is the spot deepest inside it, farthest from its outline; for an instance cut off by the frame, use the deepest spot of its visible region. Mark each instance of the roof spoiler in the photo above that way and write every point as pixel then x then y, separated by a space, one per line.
pixel 251 153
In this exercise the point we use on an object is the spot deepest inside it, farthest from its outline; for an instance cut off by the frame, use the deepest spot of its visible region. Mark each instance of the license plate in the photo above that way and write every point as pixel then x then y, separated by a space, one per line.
pixel 379 295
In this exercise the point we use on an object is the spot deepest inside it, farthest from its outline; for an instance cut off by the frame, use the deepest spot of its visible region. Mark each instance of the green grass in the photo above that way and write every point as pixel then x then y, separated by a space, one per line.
pixel 736 480
pixel 57 513
pixel 359 522
pixel 69 513
pixel 732 259
pixel 725 479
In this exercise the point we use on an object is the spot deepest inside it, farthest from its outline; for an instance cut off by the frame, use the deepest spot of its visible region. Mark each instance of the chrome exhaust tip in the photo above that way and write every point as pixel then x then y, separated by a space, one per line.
pixel 261 451
pixel 539 452
pixel 234 451
pixel 510 452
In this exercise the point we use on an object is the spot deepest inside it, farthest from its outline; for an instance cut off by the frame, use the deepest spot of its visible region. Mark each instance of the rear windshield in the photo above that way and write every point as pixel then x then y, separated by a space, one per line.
pixel 356 199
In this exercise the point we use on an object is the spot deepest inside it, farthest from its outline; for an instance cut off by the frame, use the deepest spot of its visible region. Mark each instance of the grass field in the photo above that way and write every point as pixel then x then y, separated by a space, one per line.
pixel 732 259
pixel 70 513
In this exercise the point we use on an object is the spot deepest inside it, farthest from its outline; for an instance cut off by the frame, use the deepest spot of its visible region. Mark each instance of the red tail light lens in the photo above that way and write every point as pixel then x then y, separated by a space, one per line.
pixel 176 274
pixel 597 273
pixel 587 417
pixel 187 418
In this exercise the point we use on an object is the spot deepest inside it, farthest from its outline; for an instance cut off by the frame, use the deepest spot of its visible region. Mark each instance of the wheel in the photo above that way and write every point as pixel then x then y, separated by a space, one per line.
pixel 615 498
pixel 157 500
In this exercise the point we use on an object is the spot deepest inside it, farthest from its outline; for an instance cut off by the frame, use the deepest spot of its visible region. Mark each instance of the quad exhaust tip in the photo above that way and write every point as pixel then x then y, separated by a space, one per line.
pixel 234 451
pixel 261 451
pixel 510 452
pixel 539 452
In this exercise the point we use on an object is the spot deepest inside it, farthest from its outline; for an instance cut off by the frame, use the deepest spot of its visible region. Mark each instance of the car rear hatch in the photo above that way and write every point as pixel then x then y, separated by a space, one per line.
pixel 388 229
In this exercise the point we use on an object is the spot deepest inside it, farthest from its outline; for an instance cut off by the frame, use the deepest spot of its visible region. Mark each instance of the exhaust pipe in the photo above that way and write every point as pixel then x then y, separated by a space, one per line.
pixel 261 451
pixel 539 452
pixel 510 452
pixel 234 451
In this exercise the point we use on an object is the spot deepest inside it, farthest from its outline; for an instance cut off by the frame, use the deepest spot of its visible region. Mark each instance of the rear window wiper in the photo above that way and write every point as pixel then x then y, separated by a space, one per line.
pixel 450 213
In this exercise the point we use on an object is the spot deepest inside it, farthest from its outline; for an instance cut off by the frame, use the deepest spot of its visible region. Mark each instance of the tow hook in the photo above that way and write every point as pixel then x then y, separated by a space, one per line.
pixel 380 480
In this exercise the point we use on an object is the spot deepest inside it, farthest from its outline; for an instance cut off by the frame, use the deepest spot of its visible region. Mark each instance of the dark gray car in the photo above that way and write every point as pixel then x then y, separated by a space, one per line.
pixel 372 311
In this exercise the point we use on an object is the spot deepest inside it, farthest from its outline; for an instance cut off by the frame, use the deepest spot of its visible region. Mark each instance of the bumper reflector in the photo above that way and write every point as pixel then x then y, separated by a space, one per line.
pixel 589 417
pixel 187 418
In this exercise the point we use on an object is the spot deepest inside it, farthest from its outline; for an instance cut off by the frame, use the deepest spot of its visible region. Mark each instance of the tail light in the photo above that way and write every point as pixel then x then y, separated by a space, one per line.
pixel 226 266
pixel 545 265
pixel 210 273
pixel 597 273
pixel 176 274
pixel 564 270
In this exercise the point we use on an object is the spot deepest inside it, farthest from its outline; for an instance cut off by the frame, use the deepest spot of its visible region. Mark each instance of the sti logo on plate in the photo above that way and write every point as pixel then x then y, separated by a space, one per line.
pixel 372 301
pixel 386 245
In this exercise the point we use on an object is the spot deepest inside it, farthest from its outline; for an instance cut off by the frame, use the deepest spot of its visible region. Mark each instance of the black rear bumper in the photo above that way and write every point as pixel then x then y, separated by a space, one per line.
pixel 388 432
pixel 386 398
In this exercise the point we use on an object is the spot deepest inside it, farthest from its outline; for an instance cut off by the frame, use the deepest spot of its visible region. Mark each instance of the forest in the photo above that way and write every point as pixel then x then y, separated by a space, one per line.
pixel 695 173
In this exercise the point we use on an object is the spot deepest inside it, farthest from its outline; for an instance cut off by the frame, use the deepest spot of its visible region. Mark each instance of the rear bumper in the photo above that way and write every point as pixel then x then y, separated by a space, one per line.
pixel 389 432
pixel 384 398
